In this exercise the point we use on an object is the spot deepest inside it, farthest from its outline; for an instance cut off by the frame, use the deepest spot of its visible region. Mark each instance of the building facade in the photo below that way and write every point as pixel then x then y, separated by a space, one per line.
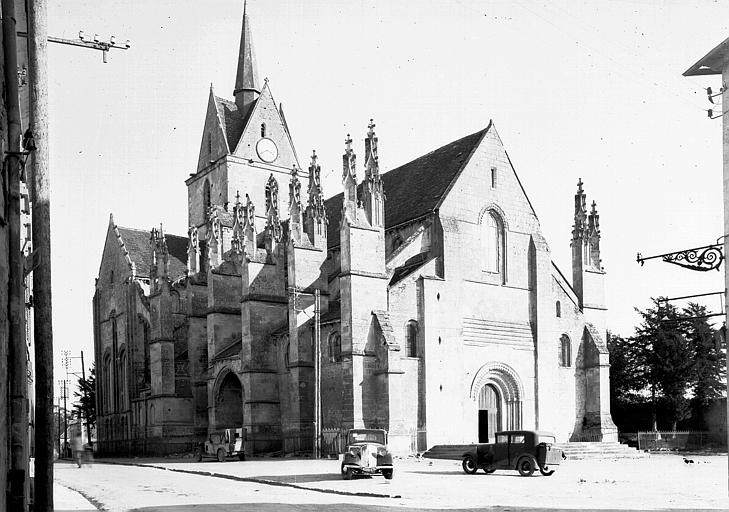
pixel 441 316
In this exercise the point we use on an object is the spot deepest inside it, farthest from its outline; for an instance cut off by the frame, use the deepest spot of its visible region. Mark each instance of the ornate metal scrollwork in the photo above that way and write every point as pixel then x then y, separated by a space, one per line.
pixel 708 257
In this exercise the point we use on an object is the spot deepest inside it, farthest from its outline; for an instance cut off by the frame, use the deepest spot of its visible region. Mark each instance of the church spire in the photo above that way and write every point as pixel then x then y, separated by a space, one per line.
pixel 246 81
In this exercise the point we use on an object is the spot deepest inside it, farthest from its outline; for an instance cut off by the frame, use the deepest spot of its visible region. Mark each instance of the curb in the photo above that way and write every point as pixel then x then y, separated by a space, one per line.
pixel 254 480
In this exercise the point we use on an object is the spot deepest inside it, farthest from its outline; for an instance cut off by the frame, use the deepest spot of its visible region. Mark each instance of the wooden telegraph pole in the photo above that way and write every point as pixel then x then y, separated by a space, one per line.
pixel 18 377
pixel 41 222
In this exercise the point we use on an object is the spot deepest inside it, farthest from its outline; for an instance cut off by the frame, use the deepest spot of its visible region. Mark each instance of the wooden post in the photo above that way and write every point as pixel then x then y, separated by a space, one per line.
pixel 18 361
pixel 41 222
pixel 317 375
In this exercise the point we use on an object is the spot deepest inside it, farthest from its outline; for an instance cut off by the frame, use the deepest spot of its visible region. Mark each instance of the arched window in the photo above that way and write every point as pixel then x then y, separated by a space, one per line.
pixel 411 338
pixel 565 353
pixel 114 383
pixel 558 309
pixel 106 379
pixel 335 347
pixel 123 380
pixel 206 196
pixel 492 243
pixel 263 129
pixel 396 242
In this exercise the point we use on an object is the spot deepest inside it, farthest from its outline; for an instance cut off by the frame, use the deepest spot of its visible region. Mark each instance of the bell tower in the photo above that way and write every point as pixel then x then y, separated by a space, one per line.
pixel 588 276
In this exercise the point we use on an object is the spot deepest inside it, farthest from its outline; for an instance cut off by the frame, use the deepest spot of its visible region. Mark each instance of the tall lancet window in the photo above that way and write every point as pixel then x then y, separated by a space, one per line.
pixel 206 196
pixel 492 243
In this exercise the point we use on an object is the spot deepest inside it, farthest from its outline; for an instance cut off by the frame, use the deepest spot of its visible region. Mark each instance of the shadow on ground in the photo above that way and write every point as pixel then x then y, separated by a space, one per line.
pixel 349 507
pixel 300 479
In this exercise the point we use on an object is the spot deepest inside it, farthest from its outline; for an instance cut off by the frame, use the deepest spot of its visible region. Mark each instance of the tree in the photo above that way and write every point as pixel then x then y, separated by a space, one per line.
pixel 668 359
pixel 85 405
pixel 673 355
pixel 627 375
pixel 709 363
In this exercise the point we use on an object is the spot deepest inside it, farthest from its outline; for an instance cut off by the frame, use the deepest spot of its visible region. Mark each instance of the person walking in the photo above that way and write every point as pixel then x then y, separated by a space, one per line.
pixel 78 449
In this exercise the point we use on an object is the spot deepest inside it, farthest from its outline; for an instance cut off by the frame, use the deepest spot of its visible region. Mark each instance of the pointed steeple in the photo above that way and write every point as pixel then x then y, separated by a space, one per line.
pixel 246 81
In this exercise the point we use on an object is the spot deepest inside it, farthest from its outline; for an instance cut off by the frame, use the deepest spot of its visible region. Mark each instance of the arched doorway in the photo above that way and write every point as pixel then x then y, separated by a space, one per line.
pixel 498 393
pixel 229 402
pixel 489 413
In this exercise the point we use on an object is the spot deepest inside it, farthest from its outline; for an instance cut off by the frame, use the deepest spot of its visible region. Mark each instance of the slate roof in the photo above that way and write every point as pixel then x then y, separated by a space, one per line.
pixel 137 244
pixel 233 122
pixel 414 189
pixel 408 267
pixel 232 350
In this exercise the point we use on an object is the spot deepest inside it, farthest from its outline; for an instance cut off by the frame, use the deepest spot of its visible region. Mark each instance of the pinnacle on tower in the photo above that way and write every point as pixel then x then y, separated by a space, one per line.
pixel 372 167
pixel 246 81
pixel 578 231
pixel 349 177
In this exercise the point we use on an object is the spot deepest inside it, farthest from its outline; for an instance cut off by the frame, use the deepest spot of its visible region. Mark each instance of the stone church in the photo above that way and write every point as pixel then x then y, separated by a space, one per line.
pixel 429 290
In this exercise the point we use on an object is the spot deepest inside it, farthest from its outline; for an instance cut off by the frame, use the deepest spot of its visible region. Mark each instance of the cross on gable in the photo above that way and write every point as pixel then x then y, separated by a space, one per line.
pixel 348 142
pixel 371 126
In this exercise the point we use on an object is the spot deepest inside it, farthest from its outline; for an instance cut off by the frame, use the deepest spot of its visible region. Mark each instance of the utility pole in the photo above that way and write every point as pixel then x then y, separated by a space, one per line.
pixel 86 401
pixel 317 375
pixel 64 395
pixel 13 162
pixel 41 222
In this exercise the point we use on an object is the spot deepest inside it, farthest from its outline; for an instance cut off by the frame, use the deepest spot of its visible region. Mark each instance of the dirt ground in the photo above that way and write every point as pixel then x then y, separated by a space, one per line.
pixel 654 483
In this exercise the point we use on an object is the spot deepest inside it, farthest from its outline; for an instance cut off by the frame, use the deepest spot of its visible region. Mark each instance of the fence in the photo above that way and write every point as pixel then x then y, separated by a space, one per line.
pixel 679 440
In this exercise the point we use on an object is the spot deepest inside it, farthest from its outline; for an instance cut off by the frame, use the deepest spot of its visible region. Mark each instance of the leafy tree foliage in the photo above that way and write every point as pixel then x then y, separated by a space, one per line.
pixel 85 405
pixel 672 356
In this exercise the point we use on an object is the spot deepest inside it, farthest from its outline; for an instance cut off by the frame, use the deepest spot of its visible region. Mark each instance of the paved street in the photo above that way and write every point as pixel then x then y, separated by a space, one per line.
pixel 655 483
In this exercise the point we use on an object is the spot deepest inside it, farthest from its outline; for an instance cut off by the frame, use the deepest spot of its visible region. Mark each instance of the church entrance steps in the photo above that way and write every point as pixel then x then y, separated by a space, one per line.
pixel 604 450
pixel 576 451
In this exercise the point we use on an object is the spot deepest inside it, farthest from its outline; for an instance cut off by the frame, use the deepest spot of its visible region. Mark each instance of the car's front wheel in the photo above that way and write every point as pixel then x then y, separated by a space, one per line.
pixel 546 471
pixel 347 473
pixel 221 455
pixel 387 473
pixel 526 466
pixel 469 465
pixel 198 454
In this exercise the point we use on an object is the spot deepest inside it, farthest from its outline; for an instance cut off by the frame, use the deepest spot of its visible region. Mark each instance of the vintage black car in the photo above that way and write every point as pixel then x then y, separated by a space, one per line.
pixel 522 450
pixel 367 454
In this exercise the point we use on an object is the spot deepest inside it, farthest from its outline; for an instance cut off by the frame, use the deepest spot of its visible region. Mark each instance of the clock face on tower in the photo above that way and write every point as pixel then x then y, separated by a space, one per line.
pixel 267 150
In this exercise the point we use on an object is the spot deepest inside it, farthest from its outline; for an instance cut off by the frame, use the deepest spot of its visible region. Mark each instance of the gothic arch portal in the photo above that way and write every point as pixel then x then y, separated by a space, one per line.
pixel 509 392
pixel 227 400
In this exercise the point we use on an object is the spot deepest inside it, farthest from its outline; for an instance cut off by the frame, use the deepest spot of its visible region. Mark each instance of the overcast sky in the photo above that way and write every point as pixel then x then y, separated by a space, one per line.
pixel 576 89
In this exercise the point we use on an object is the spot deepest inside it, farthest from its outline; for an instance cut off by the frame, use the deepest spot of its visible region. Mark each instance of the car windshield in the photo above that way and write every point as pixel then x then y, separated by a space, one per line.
pixel 364 436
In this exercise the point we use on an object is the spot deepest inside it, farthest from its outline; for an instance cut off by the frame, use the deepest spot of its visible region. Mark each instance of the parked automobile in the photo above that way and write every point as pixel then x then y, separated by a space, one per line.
pixel 367 454
pixel 223 444
pixel 521 450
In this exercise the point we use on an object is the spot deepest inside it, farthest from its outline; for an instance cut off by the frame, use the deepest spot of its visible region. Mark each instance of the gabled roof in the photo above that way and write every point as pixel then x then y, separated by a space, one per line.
pixel 137 244
pixel 712 63
pixel 232 120
pixel 415 189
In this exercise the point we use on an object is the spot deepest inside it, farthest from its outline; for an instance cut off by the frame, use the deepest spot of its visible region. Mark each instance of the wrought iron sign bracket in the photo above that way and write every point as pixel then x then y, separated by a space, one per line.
pixel 708 257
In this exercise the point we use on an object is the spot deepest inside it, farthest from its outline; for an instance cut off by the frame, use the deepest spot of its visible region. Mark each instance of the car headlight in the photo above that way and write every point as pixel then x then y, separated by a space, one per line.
pixel 381 451
pixel 354 452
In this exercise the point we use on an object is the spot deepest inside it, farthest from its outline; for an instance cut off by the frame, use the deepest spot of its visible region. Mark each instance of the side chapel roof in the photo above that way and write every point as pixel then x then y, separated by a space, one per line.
pixel 137 244
pixel 415 189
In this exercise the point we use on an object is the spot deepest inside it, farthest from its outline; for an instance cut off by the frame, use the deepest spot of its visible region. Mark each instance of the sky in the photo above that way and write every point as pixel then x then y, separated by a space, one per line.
pixel 576 89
